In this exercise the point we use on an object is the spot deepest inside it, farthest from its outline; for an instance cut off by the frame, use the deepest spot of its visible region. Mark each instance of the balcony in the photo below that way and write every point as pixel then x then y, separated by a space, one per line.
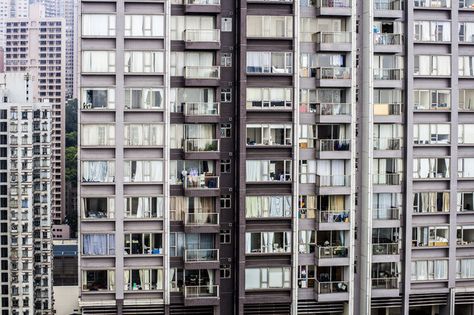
pixel 201 255
pixel 332 290
pixel 387 109
pixel 332 220
pixel 385 249
pixel 202 6
pixel 201 185
pixel 201 295
pixel 387 214
pixel 201 112
pixel 332 255
pixel 202 39
pixel 333 148
pixel 201 145
pixel 333 41
pixel 388 77
pixel 333 7
pixel 387 179
pixel 387 143
pixel 435 4
pixel 388 283
pixel 202 75
pixel 201 222
pixel 334 76
pixel 388 42
pixel 388 8
pixel 333 180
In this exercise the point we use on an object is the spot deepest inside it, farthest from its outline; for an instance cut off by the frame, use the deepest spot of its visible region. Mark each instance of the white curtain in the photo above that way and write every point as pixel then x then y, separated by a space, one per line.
pixel 96 244
pixel 440 269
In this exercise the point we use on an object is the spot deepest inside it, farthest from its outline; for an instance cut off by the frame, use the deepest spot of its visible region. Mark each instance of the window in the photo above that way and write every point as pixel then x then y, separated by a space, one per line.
pixel 145 98
pixel 177 241
pixel 432 236
pixel 307 206
pixel 466 66
pixel 466 167
pixel 466 133
pixel 226 201
pixel 226 166
pixel 267 207
pixel 465 268
pixel 270 62
pixel 143 279
pixel 465 235
pixel 428 202
pixel 431 133
pixel 193 100
pixel 97 135
pixel 306 241
pixel 429 270
pixel 432 99
pixel 98 171
pixel 431 168
pixel 144 25
pixel 465 201
pixel 306 276
pixel 226 24
pixel 193 65
pixel 267 242
pixel 269 134
pixel 466 99
pixel 144 135
pixel 193 27
pixel 226 95
pixel 432 31
pixel 98 280
pixel 98 25
pixel 466 32
pixel 226 271
pixel 226 60
pixel 143 62
pixel 98 98
pixel 143 243
pixel 143 207
pixel 98 207
pixel 98 61
pixel 267 278
pixel 427 65
pixel 143 171
pixel 269 26
pixel 266 171
pixel 226 130
pixel 269 98
pixel 98 244
pixel 225 236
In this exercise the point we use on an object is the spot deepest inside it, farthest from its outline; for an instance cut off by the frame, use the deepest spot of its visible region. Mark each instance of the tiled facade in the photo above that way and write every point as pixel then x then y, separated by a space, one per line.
pixel 276 157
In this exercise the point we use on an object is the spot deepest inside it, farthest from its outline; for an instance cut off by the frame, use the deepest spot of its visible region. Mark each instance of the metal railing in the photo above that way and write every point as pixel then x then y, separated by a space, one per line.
pixel 388 39
pixel 333 73
pixel 385 249
pixel 200 255
pixel 201 145
pixel 202 2
pixel 385 283
pixel 201 218
pixel 202 72
pixel 333 144
pixel 326 287
pixel 432 4
pixel 333 37
pixel 388 74
pixel 333 3
pixel 387 5
pixel 201 182
pixel 201 291
pixel 382 109
pixel 333 180
pixel 333 216
pixel 201 109
pixel 387 179
pixel 333 109
pixel 387 143
pixel 201 35
pixel 392 213
pixel 332 251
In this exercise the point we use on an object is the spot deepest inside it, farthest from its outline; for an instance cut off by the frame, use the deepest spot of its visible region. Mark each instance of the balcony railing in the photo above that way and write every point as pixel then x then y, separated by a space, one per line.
pixel 381 109
pixel 201 35
pixel 333 216
pixel 333 109
pixel 202 72
pixel 201 145
pixel 385 283
pixel 201 109
pixel 202 2
pixel 434 4
pixel 387 5
pixel 201 218
pixel 333 180
pixel 387 179
pixel 388 74
pixel 332 251
pixel 387 39
pixel 333 144
pixel 201 181
pixel 201 291
pixel 333 38
pixel 387 143
pixel 333 73
pixel 386 214
pixel 328 287
pixel 385 249
pixel 333 3
pixel 201 255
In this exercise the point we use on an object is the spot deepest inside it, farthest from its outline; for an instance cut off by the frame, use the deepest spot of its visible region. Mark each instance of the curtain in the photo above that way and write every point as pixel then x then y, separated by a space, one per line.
pixel 96 244
pixel 126 280
pixel 440 269
pixel 253 206
pixel 276 206
pixel 422 270
pixel 275 277
pixel 210 273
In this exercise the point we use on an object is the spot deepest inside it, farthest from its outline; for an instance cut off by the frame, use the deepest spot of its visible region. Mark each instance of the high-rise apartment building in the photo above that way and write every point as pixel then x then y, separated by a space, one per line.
pixel 37 45
pixel 25 201
pixel 276 157
pixel 11 9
